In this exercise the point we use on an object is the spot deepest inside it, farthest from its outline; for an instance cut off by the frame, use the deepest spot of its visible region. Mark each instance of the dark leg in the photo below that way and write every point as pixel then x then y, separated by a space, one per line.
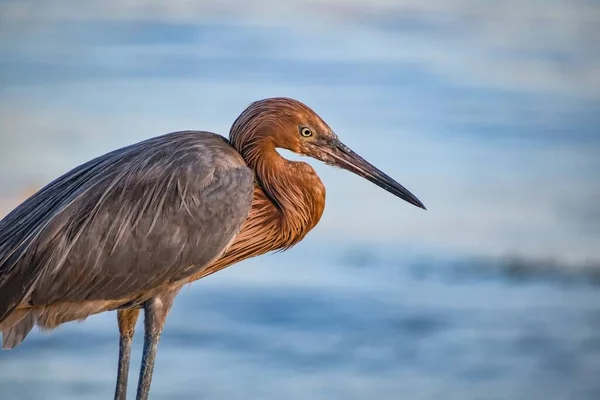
pixel 155 313
pixel 127 320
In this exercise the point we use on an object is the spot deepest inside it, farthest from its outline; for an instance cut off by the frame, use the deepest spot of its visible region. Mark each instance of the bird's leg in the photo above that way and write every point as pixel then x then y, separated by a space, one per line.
pixel 127 319
pixel 155 314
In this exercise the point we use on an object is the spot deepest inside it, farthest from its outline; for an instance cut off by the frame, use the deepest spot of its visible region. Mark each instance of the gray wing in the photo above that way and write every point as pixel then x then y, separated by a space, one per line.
pixel 157 211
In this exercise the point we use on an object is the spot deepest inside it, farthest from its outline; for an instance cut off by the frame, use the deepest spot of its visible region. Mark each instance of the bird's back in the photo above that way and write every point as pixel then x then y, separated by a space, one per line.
pixel 124 223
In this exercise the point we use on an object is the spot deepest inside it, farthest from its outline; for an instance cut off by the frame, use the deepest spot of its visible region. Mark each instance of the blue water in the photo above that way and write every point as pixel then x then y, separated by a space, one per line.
pixel 487 111
pixel 325 325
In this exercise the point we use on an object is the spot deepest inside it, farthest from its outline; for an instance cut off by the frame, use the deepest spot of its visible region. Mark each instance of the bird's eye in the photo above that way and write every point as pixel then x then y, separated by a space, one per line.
pixel 305 132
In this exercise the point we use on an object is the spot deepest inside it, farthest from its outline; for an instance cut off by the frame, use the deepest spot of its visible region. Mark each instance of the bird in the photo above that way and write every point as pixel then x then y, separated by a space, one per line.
pixel 127 230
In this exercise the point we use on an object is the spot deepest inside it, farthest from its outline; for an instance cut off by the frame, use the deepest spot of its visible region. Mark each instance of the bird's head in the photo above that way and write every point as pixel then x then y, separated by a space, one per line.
pixel 291 125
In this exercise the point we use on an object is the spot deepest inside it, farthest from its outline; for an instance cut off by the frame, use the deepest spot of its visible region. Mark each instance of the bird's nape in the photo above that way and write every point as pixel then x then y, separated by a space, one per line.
pixel 340 155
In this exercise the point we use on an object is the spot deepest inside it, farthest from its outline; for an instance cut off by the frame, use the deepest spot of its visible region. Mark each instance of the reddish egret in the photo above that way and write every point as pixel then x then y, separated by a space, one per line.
pixel 127 230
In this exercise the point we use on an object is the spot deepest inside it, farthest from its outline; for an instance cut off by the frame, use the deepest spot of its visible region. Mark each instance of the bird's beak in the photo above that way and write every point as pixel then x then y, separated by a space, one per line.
pixel 345 158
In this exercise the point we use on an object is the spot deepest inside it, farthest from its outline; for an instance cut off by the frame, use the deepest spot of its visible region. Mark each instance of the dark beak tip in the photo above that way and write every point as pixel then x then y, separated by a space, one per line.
pixel 412 199
pixel 420 205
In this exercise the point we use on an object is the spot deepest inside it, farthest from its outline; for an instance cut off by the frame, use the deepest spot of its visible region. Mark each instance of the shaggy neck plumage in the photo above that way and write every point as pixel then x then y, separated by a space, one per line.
pixel 294 189
pixel 289 197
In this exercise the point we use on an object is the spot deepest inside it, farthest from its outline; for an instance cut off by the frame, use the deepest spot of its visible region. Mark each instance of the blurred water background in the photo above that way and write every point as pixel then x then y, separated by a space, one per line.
pixel 487 111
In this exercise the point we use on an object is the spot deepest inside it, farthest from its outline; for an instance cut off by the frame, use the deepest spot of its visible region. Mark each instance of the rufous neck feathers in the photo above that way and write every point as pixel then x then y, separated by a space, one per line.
pixel 297 193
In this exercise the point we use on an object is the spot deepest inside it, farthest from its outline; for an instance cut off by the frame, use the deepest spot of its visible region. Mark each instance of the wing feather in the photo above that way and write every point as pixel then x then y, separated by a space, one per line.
pixel 123 223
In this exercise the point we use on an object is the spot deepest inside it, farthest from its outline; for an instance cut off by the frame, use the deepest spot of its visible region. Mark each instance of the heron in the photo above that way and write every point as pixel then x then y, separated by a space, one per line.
pixel 127 230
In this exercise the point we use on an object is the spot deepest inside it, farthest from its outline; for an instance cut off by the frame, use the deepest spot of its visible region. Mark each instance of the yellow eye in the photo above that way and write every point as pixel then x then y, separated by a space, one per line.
pixel 305 132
